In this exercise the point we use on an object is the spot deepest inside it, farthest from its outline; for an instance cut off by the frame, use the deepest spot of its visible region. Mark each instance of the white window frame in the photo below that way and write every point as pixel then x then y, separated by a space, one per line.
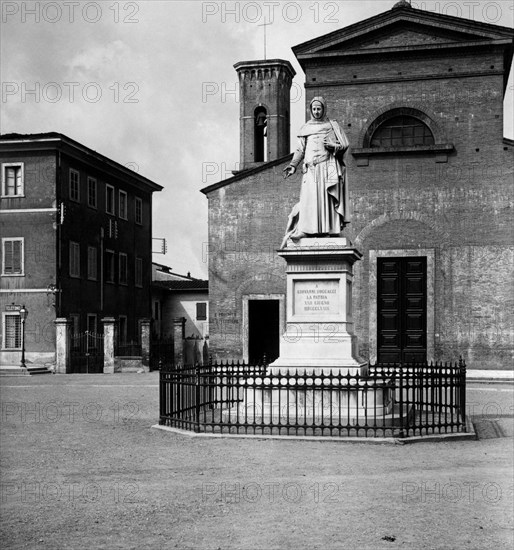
pixel 89 180
pixel 107 189
pixel 4 179
pixel 4 327
pixel 120 280
pixel 122 214
pixel 22 256
pixel 72 198
pixel 90 275
pixel 72 273
pixel 138 220
pixel 138 262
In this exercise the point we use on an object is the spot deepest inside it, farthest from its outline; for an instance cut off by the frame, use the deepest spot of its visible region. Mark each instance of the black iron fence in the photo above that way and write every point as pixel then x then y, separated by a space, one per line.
pixel 388 401
pixel 127 349
pixel 161 353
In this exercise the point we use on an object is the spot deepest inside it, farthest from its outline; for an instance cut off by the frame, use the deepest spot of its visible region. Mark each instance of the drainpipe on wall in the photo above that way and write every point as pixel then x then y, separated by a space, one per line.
pixel 101 269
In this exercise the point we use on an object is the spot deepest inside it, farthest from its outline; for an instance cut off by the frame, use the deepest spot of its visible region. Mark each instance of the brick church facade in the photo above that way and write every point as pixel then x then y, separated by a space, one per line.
pixel 420 97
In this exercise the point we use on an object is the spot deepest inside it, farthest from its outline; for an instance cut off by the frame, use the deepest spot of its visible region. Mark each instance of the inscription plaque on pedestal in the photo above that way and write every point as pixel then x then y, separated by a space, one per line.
pixel 314 297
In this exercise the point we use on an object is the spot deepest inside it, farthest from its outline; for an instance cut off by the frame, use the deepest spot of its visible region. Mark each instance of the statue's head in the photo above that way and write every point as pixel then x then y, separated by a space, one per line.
pixel 318 108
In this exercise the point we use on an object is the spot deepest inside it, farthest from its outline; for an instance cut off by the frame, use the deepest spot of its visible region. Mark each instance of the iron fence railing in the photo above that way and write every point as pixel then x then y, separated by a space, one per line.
pixel 389 401
pixel 161 353
pixel 127 349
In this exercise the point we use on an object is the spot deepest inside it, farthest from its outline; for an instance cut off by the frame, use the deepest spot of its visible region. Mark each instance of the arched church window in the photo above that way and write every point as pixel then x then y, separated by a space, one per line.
pixel 260 133
pixel 402 131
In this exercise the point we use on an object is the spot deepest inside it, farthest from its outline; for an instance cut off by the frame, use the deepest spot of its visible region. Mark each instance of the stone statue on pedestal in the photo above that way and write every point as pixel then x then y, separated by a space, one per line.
pixel 323 209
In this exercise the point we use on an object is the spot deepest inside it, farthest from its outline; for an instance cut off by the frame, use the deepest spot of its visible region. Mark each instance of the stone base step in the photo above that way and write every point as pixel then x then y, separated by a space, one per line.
pixel 13 370
pixel 355 419
pixel 39 370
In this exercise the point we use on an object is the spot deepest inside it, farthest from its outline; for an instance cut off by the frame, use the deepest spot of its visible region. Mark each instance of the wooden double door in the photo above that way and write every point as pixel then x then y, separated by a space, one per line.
pixel 402 310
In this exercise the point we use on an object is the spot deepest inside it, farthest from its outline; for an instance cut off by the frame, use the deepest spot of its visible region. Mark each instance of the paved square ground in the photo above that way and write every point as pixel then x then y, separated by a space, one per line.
pixel 81 468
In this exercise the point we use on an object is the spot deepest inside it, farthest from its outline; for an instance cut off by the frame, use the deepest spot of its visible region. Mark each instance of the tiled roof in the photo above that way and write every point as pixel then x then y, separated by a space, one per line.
pixel 194 284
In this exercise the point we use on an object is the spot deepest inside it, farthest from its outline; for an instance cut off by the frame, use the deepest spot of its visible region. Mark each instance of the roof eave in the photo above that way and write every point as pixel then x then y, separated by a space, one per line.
pixel 54 140
pixel 245 173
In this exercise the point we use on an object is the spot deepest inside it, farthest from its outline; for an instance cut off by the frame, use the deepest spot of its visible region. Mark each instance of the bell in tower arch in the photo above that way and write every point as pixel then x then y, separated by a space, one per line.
pixel 260 138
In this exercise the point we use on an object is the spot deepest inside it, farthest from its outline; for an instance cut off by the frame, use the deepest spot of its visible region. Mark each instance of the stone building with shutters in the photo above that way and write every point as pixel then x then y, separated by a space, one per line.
pixel 420 97
pixel 76 244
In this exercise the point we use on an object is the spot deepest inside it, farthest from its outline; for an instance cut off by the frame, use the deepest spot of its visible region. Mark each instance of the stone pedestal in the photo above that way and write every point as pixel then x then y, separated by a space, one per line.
pixel 319 324
pixel 275 400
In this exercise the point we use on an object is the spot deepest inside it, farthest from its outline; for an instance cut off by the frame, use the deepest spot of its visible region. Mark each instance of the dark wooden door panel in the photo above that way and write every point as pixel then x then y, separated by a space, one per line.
pixel 401 307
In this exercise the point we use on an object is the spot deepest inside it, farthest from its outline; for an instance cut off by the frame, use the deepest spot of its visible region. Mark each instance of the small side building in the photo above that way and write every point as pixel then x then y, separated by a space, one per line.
pixel 180 309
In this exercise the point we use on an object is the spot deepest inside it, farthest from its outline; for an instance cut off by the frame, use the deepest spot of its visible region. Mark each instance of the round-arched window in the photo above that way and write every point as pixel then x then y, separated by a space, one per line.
pixel 402 131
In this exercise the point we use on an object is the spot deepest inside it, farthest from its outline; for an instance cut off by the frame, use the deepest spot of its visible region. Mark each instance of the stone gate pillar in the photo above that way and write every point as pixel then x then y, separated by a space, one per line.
pixel 179 327
pixel 109 323
pixel 145 344
pixel 62 345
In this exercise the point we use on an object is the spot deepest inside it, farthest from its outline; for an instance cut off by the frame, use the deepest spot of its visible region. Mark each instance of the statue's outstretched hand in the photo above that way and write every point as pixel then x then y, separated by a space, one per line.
pixel 289 171
pixel 329 144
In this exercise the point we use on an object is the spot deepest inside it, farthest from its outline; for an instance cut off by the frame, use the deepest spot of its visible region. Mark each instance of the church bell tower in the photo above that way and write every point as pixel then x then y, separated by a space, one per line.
pixel 264 88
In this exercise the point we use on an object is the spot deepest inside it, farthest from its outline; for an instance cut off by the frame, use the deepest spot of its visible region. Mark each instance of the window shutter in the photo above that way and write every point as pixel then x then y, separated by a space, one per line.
pixel 12 331
pixel 16 254
pixel 12 257
pixel 201 311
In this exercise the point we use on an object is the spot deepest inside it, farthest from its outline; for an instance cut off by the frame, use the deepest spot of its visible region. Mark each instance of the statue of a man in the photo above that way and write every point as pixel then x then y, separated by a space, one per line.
pixel 323 209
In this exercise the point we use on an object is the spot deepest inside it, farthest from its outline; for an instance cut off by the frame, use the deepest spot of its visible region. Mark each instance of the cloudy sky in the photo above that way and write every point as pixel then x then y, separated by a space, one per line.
pixel 151 85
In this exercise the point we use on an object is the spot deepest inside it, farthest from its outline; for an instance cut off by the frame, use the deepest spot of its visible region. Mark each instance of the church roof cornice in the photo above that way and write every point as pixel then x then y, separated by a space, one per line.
pixel 463 33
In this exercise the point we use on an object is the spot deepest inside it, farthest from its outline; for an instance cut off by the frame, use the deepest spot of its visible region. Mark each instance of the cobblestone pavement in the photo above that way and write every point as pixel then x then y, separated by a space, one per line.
pixel 81 468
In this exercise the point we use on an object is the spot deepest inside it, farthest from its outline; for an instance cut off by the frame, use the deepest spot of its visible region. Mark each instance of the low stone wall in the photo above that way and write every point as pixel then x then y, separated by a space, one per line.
pixel 32 359
pixel 129 364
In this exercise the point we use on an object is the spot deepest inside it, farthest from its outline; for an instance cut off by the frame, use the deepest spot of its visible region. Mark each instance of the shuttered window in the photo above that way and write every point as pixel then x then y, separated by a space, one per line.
pixel 122 265
pixel 139 211
pixel 92 263
pixel 74 185
pixel 12 256
pixel 138 276
pixel 201 311
pixel 110 273
pixel 74 259
pixel 122 205
pixel 12 332
pixel 12 180
pixel 91 192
